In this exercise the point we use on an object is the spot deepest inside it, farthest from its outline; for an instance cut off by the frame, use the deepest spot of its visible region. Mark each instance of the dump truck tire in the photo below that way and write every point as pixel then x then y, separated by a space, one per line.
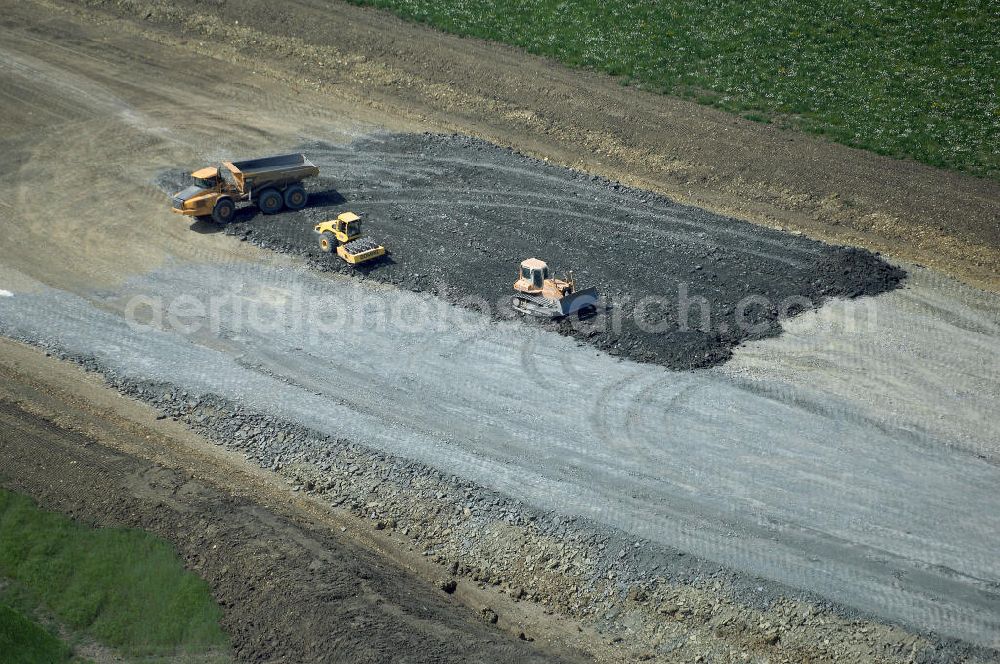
pixel 270 201
pixel 296 197
pixel 224 211
pixel 327 242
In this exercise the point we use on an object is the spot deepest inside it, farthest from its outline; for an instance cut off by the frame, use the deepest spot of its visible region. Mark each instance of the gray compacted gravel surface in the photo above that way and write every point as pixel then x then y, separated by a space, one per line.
pixel 819 496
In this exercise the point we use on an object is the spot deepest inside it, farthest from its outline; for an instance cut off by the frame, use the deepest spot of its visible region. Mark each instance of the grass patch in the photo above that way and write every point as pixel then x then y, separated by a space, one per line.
pixel 900 77
pixel 756 117
pixel 23 641
pixel 125 588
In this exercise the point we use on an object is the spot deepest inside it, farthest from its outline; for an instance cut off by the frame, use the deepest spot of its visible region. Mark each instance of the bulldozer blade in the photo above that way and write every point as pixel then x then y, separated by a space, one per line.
pixel 578 301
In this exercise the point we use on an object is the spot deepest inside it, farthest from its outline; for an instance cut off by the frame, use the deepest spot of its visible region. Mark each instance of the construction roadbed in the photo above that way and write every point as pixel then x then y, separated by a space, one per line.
pixel 681 286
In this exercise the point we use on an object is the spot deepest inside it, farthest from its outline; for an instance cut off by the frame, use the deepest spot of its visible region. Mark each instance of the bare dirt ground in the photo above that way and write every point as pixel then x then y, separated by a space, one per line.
pixel 715 514
pixel 289 591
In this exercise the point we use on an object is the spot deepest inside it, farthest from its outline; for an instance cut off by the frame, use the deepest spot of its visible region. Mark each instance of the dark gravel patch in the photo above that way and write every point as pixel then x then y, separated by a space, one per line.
pixel 458 214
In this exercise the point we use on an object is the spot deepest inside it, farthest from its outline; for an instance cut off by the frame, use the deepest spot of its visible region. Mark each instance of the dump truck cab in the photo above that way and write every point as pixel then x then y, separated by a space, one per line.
pixel 200 197
pixel 207 178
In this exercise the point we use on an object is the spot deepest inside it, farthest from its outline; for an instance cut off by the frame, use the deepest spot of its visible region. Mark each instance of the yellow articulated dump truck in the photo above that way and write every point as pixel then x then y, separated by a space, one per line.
pixel 271 183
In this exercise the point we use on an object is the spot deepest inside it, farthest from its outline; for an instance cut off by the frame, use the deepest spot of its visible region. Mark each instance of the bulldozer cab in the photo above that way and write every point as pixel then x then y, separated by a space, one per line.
pixel 206 178
pixel 534 272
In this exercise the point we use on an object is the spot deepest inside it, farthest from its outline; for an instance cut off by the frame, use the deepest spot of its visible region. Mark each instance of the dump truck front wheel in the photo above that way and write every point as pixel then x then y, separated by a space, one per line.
pixel 270 201
pixel 223 211
pixel 327 242
pixel 295 197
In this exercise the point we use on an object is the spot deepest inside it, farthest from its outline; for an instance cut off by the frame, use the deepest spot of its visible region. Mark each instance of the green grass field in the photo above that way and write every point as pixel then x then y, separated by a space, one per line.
pixel 22 641
pixel 124 588
pixel 904 78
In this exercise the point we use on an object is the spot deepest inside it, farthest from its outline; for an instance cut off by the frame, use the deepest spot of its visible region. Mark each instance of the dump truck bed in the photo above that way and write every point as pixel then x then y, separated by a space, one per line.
pixel 278 170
